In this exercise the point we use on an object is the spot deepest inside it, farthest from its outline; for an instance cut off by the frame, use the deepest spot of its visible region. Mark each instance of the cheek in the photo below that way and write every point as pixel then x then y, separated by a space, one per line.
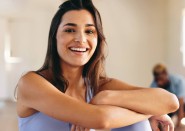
pixel 60 46
pixel 61 49
pixel 94 43
pixel 62 43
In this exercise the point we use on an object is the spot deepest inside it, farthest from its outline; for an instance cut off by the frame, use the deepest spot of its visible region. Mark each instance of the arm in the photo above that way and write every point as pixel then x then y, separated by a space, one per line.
pixel 35 93
pixel 179 91
pixel 180 111
pixel 142 100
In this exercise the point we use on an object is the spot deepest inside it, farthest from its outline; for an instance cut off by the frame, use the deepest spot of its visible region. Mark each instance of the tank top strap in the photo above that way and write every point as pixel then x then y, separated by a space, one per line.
pixel 48 78
pixel 89 91
pixel 39 73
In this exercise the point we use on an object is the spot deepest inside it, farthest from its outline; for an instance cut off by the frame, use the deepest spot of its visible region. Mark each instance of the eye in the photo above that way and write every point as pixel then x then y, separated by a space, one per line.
pixel 69 30
pixel 89 31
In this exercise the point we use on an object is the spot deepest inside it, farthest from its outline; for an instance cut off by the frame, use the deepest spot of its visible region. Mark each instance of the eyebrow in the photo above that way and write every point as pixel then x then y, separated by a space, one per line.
pixel 73 24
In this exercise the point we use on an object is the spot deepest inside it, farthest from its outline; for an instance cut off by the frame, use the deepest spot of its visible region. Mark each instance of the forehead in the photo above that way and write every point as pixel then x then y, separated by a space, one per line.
pixel 77 17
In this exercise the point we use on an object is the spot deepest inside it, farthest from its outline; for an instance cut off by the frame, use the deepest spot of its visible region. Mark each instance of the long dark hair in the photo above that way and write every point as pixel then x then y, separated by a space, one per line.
pixel 93 71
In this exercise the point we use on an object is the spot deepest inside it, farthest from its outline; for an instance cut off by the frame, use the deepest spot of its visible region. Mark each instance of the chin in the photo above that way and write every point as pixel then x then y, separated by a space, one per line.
pixel 75 62
pixel 78 64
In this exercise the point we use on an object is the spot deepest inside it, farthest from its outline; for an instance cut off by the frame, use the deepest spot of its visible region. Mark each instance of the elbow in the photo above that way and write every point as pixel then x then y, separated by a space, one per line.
pixel 103 124
pixel 173 103
pixel 102 121
pixel 170 101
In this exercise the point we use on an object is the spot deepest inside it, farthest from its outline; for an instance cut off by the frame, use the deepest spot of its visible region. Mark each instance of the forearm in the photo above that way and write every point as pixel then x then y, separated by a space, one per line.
pixel 144 101
pixel 119 117
pixel 181 109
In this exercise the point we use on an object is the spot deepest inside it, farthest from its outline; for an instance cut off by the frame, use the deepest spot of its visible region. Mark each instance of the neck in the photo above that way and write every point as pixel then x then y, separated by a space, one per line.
pixel 72 74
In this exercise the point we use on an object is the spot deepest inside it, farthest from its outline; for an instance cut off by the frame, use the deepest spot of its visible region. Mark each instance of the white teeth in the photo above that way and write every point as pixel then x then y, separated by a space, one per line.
pixel 78 49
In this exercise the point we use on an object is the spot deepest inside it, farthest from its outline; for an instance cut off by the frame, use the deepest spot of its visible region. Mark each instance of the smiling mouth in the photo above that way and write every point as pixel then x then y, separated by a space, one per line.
pixel 77 49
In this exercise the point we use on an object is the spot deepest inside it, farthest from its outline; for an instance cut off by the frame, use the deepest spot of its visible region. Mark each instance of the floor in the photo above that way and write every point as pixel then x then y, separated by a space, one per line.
pixel 8 117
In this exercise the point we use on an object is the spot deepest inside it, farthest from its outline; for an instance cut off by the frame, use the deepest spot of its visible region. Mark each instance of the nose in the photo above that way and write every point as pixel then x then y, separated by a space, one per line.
pixel 80 37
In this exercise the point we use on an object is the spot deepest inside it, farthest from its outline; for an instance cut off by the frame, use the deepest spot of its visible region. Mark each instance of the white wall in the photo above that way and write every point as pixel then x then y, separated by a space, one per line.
pixel 2 65
pixel 29 32
pixel 135 31
pixel 174 36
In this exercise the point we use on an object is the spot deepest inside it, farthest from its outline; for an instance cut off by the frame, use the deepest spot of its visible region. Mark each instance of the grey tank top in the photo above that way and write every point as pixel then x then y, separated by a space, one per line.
pixel 42 122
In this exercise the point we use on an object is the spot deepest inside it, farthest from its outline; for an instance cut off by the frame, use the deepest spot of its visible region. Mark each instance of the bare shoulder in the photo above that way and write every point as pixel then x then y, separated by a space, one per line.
pixel 32 81
pixel 32 90
pixel 32 85
pixel 25 83
pixel 23 93
pixel 25 80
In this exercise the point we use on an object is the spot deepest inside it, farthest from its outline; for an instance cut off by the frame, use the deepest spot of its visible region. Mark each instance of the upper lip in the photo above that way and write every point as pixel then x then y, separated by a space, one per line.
pixel 78 47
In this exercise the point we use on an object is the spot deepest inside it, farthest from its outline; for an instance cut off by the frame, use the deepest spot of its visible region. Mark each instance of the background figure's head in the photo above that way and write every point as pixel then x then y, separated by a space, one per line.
pixel 94 69
pixel 161 77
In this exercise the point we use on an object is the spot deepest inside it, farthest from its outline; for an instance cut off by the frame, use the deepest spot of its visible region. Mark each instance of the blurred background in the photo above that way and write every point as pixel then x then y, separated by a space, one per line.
pixel 140 33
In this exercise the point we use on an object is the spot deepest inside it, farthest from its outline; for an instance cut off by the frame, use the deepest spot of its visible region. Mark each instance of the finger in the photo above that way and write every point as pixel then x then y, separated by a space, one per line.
pixel 165 128
pixel 77 128
pixel 154 126
pixel 82 128
pixel 155 129
pixel 171 127
pixel 73 128
pixel 161 126
pixel 170 124
pixel 86 129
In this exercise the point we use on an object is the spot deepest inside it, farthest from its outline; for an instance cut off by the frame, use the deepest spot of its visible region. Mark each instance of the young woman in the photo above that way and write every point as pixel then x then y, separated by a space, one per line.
pixel 71 90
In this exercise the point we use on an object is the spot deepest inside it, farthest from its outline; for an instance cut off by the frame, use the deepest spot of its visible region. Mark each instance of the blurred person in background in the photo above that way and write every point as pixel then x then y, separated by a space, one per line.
pixel 172 83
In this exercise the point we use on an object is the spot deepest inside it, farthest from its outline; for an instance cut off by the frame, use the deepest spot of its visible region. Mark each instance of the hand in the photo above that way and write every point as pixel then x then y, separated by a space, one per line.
pixel 161 122
pixel 154 124
pixel 78 128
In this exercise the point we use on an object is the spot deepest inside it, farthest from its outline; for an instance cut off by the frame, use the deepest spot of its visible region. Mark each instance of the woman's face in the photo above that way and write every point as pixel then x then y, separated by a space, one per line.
pixel 76 38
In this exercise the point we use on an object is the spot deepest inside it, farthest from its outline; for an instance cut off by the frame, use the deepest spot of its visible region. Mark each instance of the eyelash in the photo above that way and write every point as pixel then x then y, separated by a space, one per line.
pixel 89 31
pixel 69 30
pixel 72 31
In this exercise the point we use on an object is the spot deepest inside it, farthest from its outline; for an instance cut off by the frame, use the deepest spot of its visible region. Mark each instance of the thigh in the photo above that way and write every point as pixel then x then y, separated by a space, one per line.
pixel 140 126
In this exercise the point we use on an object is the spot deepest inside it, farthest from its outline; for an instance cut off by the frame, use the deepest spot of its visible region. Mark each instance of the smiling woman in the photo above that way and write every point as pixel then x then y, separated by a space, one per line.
pixel 71 90
pixel 76 38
